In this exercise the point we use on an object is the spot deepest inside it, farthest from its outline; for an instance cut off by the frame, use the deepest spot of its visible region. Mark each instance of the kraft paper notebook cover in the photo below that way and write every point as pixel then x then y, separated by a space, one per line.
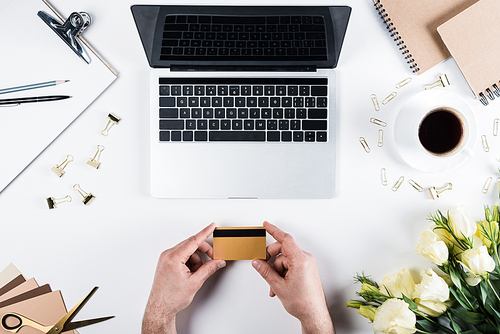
pixel 32 53
pixel 414 26
pixel 474 42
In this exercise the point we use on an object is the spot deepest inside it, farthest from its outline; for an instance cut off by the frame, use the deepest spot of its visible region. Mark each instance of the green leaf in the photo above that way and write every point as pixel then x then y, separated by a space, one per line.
pixel 485 328
pixel 455 326
pixel 472 318
pixel 428 326
pixel 411 305
pixel 472 331
pixel 455 279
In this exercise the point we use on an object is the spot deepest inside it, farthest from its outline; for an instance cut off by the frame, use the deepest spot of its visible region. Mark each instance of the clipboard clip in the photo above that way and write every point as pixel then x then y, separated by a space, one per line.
pixel 70 30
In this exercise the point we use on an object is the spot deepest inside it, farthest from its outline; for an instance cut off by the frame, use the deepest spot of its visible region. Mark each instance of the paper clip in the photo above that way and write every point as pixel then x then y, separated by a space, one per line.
pixel 441 82
pixel 59 169
pixel 375 102
pixel 487 185
pixel 415 185
pixel 70 30
pixel 495 127
pixel 383 176
pixel 112 120
pixel 94 161
pixel 403 83
pixel 378 122
pixel 87 197
pixel 54 202
pixel 398 183
pixel 380 140
pixel 435 192
pixel 389 98
pixel 486 147
pixel 364 144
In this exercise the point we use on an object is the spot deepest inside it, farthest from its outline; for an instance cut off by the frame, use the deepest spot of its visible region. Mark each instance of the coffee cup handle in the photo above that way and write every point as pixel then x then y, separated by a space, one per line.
pixel 468 152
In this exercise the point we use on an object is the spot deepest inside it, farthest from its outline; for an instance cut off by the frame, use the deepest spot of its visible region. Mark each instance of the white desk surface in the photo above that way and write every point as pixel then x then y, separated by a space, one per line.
pixel 115 242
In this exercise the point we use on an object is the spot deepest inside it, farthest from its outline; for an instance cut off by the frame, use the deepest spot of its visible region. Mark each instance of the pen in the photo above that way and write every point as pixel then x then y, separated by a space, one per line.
pixel 34 99
pixel 33 86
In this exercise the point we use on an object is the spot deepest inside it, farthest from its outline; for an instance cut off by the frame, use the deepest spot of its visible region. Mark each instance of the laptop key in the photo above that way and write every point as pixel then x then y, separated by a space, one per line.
pixel 171 124
pixel 273 136
pixel 314 125
pixel 237 136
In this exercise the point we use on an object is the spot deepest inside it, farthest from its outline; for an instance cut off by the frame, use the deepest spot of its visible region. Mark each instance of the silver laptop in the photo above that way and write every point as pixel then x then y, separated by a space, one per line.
pixel 243 99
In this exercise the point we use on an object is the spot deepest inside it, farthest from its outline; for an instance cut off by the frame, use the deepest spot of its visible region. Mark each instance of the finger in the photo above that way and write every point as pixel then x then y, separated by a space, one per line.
pixel 206 248
pixel 268 274
pixel 281 265
pixel 288 245
pixel 195 262
pixel 186 248
pixel 273 250
pixel 271 293
pixel 207 270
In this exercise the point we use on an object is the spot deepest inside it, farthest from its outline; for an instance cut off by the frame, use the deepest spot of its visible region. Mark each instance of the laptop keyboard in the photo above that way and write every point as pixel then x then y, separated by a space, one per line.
pixel 243 109
pixel 244 37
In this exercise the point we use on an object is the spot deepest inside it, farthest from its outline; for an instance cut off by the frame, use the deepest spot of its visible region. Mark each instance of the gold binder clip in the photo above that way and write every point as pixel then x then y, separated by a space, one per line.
pixel 59 169
pixel 94 161
pixel 54 202
pixel 87 197
pixel 435 192
pixel 112 120
pixel 441 82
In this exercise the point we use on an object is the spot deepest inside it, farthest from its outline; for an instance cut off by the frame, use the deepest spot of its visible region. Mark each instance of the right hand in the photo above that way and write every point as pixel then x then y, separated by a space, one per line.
pixel 295 279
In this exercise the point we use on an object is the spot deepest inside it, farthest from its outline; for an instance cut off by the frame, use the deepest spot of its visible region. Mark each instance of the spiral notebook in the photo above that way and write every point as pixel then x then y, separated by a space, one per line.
pixel 413 24
pixel 474 42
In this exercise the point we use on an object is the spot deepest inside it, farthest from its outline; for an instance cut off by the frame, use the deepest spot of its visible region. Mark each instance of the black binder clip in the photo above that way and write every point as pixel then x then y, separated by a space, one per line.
pixel 70 30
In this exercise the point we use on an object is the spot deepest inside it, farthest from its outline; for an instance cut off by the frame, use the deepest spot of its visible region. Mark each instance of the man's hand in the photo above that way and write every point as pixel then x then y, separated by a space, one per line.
pixel 294 278
pixel 180 273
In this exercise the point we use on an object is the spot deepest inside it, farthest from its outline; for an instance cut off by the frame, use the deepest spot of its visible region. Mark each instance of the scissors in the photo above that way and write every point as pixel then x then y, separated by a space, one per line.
pixel 63 325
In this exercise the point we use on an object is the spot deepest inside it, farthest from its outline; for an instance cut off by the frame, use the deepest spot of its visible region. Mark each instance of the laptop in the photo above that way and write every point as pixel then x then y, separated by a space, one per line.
pixel 242 99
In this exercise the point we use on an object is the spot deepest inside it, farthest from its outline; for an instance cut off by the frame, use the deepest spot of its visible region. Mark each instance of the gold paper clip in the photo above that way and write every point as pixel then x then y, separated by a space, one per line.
pixel 94 161
pixel 59 169
pixel 398 183
pixel 495 127
pixel 380 140
pixel 363 142
pixel 487 185
pixel 403 83
pixel 375 102
pixel 389 98
pixel 415 185
pixel 112 120
pixel 486 147
pixel 54 202
pixel 378 122
pixel 435 192
pixel 441 82
pixel 87 197
pixel 383 176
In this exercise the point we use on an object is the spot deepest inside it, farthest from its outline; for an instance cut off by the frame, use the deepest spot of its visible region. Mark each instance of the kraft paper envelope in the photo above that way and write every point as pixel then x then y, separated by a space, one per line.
pixel 239 243
pixel 8 274
pixel 12 284
pixel 46 309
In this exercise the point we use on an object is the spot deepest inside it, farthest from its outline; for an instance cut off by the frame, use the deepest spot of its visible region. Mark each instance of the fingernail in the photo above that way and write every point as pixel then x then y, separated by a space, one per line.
pixel 256 264
pixel 221 264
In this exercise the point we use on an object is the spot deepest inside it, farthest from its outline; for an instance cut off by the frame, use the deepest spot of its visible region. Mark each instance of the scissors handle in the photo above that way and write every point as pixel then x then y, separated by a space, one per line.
pixel 21 321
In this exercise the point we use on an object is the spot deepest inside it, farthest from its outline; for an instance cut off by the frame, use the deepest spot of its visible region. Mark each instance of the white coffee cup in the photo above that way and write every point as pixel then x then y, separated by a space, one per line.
pixel 425 126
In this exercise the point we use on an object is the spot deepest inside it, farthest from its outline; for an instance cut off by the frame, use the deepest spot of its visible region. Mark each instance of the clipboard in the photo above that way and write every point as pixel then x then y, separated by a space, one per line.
pixel 31 52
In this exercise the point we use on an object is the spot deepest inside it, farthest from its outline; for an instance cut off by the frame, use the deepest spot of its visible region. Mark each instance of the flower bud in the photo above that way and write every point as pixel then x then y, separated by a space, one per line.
pixel 462 225
pixel 476 263
pixel 368 311
pixel 397 284
pixel 431 247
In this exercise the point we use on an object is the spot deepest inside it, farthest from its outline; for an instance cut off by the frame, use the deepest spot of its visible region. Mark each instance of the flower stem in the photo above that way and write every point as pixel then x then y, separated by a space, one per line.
pixel 492 288
pixel 443 328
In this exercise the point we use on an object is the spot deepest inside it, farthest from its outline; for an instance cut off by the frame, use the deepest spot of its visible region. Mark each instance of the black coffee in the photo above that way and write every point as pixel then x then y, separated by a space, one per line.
pixel 441 131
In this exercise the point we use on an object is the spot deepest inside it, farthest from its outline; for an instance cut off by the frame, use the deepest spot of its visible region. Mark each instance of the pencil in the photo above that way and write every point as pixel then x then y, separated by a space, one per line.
pixel 32 86
pixel 34 99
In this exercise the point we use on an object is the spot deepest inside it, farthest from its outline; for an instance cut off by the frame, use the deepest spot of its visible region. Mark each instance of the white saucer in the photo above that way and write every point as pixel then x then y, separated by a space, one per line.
pixel 406 131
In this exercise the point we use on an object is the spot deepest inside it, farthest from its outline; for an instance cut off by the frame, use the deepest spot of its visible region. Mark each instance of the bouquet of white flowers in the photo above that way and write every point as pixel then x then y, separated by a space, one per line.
pixel 463 299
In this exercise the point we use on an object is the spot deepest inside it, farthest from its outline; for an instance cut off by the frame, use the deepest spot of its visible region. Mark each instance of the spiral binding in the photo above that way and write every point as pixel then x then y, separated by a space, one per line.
pixel 397 38
pixel 490 94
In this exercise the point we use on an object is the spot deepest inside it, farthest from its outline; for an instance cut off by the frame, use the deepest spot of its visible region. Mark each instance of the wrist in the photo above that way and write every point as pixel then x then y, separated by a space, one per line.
pixel 160 324
pixel 319 322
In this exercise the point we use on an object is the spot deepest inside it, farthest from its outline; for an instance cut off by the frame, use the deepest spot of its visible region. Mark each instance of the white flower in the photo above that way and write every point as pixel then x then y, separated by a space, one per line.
pixel 431 293
pixel 394 317
pixel 397 284
pixel 430 246
pixel 463 226
pixel 476 263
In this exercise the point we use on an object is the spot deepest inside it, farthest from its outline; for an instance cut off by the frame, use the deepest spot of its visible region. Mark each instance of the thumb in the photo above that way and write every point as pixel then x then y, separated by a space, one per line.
pixel 208 269
pixel 268 274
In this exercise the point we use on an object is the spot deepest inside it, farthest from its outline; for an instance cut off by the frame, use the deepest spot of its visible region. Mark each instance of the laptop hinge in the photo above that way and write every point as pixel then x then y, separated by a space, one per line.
pixel 191 68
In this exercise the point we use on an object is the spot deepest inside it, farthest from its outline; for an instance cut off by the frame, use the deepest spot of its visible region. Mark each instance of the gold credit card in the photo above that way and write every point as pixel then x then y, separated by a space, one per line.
pixel 239 243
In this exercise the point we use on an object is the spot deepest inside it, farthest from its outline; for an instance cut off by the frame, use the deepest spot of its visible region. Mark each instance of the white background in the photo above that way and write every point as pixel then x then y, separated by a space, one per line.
pixel 115 241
